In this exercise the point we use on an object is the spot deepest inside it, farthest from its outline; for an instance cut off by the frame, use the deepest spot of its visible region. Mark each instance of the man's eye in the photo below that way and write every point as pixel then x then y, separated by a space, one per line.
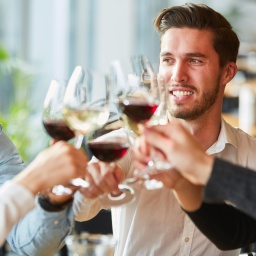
pixel 167 60
pixel 195 61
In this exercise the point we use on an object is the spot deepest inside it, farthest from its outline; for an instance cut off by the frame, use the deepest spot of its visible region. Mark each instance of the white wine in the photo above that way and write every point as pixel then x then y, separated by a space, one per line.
pixel 84 120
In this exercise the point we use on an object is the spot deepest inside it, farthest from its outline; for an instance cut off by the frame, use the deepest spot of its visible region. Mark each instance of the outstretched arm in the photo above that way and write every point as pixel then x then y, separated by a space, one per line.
pixel 227 227
pixel 40 232
pixel 232 183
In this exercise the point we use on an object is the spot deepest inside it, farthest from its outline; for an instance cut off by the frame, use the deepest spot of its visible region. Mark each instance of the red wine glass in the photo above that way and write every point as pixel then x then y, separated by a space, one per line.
pixel 144 102
pixel 53 120
pixel 110 144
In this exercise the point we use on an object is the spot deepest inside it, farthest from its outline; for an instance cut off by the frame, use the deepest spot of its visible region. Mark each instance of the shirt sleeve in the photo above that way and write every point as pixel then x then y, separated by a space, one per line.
pixel 233 184
pixel 10 161
pixel 41 233
pixel 38 233
pixel 227 227
pixel 15 201
pixel 85 208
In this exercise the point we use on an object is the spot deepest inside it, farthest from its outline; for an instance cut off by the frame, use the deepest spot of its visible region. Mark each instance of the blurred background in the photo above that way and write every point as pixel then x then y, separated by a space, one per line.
pixel 41 40
pixel 44 40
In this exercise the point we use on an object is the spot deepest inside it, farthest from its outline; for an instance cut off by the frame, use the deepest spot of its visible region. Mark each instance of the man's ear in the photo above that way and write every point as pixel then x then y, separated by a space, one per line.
pixel 230 72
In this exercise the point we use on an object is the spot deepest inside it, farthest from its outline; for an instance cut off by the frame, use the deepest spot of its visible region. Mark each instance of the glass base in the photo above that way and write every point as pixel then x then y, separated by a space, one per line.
pixel 127 196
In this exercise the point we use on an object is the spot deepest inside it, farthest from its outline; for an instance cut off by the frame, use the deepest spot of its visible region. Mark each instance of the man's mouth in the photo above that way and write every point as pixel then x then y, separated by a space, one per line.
pixel 181 93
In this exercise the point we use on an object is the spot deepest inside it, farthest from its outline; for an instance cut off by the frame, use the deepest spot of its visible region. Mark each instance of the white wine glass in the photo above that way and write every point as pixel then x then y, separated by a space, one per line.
pixel 86 103
pixel 85 108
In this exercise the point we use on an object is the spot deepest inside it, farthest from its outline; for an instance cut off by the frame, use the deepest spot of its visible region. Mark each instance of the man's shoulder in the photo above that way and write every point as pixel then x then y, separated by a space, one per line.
pixel 236 131
pixel 239 133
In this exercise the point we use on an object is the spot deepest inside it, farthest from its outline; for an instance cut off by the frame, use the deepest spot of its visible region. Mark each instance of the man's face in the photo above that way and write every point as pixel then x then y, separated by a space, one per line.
pixel 190 67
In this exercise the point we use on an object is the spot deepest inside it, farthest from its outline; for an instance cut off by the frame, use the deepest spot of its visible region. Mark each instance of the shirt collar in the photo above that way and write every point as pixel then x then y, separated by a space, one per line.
pixel 226 136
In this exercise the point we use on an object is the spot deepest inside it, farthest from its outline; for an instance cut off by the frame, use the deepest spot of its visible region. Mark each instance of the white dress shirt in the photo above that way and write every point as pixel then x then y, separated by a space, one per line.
pixel 15 201
pixel 154 224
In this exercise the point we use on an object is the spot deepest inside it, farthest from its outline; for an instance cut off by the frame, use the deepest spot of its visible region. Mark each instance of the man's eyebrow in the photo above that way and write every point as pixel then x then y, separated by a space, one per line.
pixel 196 54
pixel 165 53
pixel 189 54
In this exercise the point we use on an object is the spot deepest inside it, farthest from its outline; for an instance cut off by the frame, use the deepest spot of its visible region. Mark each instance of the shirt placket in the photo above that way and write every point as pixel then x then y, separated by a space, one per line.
pixel 187 237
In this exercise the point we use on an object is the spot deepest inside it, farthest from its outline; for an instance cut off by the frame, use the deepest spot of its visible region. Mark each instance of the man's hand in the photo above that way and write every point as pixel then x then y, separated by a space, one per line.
pixel 103 178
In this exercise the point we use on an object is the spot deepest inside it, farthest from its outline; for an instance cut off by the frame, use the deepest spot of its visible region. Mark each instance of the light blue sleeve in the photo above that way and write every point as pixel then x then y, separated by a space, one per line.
pixel 39 233
pixel 10 160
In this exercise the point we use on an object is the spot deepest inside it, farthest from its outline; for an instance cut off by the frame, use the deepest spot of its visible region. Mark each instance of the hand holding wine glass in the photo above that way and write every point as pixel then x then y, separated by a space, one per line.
pixel 109 144
pixel 85 106
pixel 143 102
pixel 76 110
pixel 54 122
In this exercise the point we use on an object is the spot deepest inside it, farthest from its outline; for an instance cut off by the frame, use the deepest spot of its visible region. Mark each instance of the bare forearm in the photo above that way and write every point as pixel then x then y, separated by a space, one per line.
pixel 188 195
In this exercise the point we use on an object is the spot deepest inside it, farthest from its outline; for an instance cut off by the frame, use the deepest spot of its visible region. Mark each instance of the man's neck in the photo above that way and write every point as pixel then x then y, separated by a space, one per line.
pixel 205 129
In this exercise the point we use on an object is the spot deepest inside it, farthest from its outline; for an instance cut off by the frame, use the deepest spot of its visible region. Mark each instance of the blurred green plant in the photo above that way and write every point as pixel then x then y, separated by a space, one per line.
pixel 15 109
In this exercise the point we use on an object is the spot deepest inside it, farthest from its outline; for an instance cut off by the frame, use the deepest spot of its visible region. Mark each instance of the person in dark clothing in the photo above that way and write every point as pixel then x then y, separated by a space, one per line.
pixel 227 213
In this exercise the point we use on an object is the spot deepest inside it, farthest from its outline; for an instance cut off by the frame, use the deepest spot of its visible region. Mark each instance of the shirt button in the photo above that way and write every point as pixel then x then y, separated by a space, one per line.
pixel 56 222
pixel 186 239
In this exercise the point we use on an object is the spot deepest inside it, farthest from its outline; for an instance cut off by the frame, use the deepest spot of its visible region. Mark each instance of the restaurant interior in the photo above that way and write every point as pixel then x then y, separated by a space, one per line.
pixel 45 40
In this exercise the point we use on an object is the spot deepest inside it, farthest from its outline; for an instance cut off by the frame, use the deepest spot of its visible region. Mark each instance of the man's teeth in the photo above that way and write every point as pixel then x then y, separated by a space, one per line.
pixel 181 93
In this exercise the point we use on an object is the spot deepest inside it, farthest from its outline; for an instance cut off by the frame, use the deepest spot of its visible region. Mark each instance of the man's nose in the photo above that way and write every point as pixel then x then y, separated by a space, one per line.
pixel 179 73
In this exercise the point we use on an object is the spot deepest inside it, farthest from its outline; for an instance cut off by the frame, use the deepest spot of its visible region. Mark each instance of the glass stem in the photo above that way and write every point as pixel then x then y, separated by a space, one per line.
pixel 79 141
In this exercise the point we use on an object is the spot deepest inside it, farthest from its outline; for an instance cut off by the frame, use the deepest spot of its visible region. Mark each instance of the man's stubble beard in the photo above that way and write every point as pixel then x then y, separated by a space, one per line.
pixel 209 98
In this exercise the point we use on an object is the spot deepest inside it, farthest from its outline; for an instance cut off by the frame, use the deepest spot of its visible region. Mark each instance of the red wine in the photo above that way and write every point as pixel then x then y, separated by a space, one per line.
pixel 58 130
pixel 106 151
pixel 137 111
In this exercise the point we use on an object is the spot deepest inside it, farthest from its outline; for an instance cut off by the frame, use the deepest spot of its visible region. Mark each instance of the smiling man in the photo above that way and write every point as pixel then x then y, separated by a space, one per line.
pixel 186 52
pixel 197 59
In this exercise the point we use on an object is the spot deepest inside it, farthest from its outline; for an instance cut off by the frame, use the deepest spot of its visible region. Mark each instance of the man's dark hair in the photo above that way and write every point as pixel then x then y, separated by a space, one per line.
pixel 200 16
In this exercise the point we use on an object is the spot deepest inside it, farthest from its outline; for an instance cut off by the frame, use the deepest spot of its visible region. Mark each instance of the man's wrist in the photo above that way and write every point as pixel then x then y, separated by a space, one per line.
pixel 49 206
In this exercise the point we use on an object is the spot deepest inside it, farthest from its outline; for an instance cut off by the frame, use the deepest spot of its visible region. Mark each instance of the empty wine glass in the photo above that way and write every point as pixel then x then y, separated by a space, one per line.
pixel 160 118
pixel 86 244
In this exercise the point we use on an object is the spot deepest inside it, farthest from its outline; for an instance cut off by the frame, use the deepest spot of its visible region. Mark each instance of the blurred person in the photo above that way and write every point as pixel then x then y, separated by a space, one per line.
pixel 226 214
pixel 43 229
pixel 197 59
pixel 55 165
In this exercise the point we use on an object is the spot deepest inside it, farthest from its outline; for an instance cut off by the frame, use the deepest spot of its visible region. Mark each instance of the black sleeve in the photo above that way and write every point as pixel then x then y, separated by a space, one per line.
pixel 227 227
pixel 232 183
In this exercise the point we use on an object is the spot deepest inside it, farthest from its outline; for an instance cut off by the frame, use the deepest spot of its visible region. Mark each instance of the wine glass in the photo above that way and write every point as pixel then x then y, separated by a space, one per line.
pixel 86 100
pixel 85 106
pixel 144 101
pixel 109 144
pixel 54 122
pixel 86 244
